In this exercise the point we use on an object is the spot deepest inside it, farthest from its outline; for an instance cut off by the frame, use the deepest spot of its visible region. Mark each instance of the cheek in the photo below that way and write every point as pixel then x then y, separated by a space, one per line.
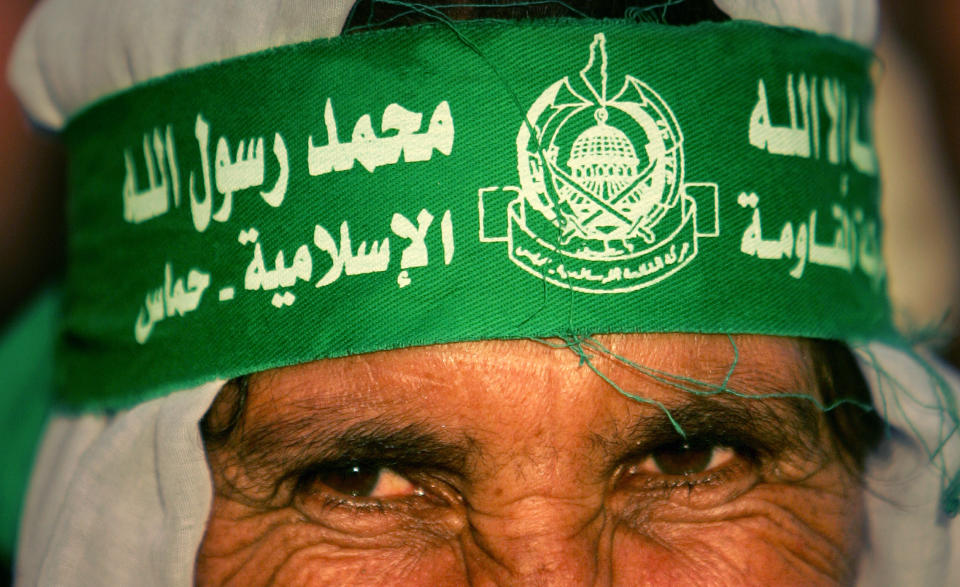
pixel 249 548
pixel 783 535
pixel 773 535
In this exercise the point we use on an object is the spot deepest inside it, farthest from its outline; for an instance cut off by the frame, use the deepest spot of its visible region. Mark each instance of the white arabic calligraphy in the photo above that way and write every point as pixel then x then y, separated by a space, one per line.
pixel 399 128
pixel 259 277
pixel 854 242
pixel 169 300
pixel 802 138
pixel 245 171
pixel 377 258
pixel 160 158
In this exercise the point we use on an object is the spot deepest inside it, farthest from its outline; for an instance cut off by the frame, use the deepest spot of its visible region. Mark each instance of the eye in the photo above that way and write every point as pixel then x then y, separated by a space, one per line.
pixel 360 481
pixel 708 472
pixel 685 459
pixel 370 497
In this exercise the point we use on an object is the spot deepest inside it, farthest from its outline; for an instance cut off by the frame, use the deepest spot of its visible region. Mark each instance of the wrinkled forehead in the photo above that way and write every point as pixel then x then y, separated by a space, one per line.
pixel 699 355
pixel 673 369
pixel 610 393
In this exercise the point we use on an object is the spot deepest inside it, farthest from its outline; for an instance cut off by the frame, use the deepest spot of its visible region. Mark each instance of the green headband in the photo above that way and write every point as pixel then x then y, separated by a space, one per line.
pixel 488 180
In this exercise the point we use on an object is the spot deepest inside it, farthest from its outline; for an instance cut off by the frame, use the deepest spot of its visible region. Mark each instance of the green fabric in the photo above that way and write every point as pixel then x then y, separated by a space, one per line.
pixel 26 361
pixel 486 180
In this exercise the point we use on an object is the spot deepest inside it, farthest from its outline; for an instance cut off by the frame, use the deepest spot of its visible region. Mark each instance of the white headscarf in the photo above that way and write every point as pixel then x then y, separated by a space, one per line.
pixel 123 498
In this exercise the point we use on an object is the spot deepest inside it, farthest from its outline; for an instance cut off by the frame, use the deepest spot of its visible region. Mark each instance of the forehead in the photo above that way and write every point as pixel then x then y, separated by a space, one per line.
pixel 511 375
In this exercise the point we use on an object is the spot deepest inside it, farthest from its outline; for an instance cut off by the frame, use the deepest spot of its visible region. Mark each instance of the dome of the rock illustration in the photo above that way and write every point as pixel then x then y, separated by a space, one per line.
pixel 603 150
pixel 603 157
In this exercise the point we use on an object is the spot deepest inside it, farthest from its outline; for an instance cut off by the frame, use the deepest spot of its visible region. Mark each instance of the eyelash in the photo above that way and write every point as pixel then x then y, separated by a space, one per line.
pixel 744 465
pixel 311 492
pixel 319 498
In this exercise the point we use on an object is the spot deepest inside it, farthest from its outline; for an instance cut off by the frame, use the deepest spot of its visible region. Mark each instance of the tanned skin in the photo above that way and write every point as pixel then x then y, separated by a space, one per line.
pixel 514 463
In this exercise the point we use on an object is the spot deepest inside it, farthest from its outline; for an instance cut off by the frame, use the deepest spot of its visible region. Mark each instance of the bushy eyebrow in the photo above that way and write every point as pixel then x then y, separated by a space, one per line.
pixel 295 442
pixel 773 426
pixel 775 409
pixel 778 407
pixel 310 436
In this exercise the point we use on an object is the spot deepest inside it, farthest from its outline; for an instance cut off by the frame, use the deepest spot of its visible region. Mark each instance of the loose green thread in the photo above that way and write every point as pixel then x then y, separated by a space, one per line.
pixel 883 411
pixel 642 13
pixel 575 343
pixel 585 347
pixel 706 389
pixel 945 406
pixel 416 8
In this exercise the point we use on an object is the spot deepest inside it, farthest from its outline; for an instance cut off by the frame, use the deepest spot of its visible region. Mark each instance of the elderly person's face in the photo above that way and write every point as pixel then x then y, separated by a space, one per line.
pixel 511 463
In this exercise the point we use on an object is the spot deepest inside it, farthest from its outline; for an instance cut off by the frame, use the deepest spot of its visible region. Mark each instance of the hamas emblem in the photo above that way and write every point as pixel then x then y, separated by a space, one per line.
pixel 602 206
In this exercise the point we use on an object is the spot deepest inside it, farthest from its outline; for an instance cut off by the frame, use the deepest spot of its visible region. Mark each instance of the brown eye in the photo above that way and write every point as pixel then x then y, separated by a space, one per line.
pixel 704 472
pixel 683 459
pixel 360 480
pixel 686 459
pixel 355 480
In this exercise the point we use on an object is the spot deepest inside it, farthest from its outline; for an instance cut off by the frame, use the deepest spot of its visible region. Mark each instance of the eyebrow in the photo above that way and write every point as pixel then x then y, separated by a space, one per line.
pixel 287 445
pixel 775 425
pixel 294 443
pixel 777 408
pixel 308 434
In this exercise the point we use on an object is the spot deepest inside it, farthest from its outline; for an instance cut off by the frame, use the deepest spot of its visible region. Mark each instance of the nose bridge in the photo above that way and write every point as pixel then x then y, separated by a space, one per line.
pixel 538 541
pixel 536 508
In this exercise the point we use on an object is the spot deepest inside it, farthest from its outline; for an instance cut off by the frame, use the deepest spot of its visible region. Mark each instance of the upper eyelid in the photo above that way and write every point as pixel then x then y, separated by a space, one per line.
pixel 406 459
pixel 736 441
pixel 401 464
pixel 738 469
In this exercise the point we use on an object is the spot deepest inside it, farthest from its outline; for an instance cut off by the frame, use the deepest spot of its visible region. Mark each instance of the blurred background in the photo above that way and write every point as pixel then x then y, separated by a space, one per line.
pixel 31 199
pixel 918 141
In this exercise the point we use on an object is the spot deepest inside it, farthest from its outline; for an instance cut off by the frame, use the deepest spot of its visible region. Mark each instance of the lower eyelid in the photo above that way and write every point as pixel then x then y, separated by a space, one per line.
pixel 644 499
pixel 727 467
pixel 417 496
pixel 433 513
pixel 347 513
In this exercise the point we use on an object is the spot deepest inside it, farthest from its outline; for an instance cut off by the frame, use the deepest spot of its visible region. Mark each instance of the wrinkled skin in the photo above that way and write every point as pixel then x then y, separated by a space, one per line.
pixel 509 463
